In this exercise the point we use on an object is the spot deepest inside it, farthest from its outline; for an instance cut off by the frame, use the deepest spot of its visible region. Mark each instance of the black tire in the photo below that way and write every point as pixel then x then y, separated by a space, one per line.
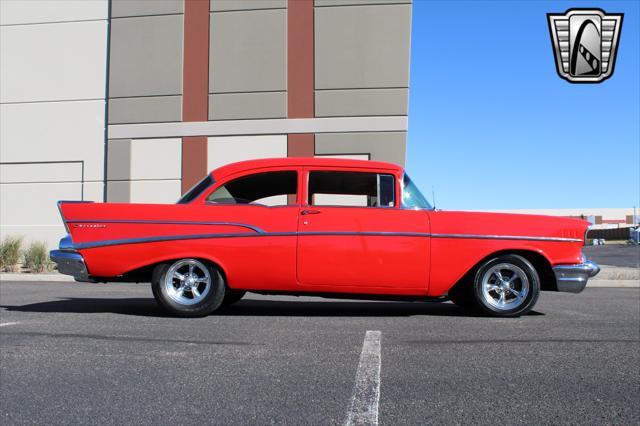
pixel 209 302
pixel 511 295
pixel 232 297
pixel 462 295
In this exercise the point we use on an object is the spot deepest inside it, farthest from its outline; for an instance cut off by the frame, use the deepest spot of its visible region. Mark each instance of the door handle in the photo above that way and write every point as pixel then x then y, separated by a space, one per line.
pixel 306 212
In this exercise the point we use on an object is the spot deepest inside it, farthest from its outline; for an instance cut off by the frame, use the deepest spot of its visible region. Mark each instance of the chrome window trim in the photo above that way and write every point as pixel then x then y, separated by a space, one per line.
pixel 163 238
pixel 506 237
pixel 171 222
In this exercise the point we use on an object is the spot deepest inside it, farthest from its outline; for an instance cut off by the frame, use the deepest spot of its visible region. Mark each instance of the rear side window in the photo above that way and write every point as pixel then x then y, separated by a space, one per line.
pixel 267 189
pixel 351 189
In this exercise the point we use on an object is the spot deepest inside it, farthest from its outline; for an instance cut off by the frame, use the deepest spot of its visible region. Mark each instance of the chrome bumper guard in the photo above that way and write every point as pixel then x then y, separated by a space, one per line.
pixel 573 278
pixel 71 263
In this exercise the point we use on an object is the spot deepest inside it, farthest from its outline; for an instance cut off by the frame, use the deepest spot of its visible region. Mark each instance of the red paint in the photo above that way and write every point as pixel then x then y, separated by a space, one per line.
pixel 420 265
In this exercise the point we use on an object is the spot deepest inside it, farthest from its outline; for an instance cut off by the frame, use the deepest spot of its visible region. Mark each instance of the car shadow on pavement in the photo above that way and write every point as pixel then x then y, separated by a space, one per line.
pixel 141 306
pixel 248 308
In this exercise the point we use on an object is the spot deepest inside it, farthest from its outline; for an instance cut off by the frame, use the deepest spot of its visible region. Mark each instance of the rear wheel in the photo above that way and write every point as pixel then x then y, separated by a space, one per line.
pixel 188 287
pixel 506 286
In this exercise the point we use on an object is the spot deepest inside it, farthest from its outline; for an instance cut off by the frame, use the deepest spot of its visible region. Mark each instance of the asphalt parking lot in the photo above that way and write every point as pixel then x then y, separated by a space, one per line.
pixel 625 255
pixel 81 353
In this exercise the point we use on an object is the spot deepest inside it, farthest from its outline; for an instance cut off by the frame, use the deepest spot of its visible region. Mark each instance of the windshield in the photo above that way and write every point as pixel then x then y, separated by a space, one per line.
pixel 412 198
pixel 196 190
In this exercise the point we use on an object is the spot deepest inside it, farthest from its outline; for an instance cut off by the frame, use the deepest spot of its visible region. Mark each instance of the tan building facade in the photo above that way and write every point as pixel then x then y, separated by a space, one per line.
pixel 134 101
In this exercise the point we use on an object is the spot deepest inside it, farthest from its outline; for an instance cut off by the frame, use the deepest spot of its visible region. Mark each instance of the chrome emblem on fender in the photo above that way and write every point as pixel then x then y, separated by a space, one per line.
pixel 89 225
pixel 585 43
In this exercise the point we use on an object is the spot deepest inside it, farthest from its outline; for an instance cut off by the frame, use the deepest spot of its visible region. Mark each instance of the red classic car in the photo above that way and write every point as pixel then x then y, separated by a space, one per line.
pixel 325 227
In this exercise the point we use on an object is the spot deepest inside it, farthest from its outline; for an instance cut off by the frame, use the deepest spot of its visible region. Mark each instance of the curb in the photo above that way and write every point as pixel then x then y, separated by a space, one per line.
pixel 613 283
pixel 35 277
pixel 608 273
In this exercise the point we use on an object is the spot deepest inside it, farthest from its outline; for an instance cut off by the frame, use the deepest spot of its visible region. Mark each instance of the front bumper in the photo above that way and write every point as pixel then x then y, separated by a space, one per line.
pixel 573 278
pixel 70 263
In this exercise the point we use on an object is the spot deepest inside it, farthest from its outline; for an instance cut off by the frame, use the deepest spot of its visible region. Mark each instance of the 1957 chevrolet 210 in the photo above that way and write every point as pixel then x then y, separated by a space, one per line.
pixel 325 227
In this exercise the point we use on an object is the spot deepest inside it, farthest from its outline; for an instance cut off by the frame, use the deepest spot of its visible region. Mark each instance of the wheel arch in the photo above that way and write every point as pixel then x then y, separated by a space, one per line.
pixel 143 273
pixel 541 264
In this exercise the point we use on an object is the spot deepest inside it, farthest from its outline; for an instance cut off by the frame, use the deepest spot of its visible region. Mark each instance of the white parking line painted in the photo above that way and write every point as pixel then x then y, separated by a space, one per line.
pixel 8 323
pixel 363 409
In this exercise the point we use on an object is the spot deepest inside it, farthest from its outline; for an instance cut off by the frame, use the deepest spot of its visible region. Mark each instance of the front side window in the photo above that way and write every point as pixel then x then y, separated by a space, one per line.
pixel 412 198
pixel 351 189
pixel 267 189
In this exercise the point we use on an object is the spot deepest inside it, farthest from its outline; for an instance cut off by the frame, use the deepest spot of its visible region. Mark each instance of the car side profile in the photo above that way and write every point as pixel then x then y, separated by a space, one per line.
pixel 326 227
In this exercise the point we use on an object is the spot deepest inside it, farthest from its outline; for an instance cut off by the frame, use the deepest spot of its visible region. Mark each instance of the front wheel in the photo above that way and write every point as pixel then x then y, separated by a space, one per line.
pixel 188 287
pixel 506 286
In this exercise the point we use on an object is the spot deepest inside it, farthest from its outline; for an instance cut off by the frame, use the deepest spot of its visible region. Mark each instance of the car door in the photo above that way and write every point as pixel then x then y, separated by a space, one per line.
pixel 353 235
pixel 262 204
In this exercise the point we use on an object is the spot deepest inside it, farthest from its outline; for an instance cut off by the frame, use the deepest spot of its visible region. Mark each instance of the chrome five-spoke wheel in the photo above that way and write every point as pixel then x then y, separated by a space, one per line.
pixel 506 286
pixel 188 287
pixel 188 282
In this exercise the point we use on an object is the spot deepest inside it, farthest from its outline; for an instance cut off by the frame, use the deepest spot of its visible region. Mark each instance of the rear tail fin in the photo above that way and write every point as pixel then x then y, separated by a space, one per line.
pixel 61 209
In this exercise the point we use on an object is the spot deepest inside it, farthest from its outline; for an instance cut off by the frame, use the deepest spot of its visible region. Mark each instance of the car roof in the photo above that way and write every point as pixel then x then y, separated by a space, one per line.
pixel 242 166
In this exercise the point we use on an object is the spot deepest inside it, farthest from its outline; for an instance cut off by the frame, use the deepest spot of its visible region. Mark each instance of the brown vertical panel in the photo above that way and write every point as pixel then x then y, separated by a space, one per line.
pixel 195 88
pixel 301 145
pixel 300 78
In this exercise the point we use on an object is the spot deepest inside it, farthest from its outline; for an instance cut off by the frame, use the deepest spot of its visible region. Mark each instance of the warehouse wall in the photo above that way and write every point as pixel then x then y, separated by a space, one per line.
pixel 183 87
pixel 52 101
pixel 342 65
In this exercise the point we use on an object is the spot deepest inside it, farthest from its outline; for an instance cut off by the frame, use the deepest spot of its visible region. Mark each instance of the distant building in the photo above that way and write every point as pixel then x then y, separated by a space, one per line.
pixel 600 218
pixel 134 101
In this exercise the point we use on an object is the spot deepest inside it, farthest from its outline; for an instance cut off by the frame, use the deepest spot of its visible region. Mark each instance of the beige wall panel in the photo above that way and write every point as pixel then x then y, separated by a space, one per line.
pixel 383 146
pixel 229 106
pixel 155 192
pixel 156 159
pixel 362 46
pixel 150 109
pixel 119 159
pixel 321 3
pixel 229 149
pixel 228 5
pixel 37 218
pixel 361 102
pixel 54 131
pixel 14 12
pixel 53 61
pixel 119 191
pixel 249 51
pixel 35 203
pixel 345 156
pixel 124 8
pixel 34 172
pixel 146 56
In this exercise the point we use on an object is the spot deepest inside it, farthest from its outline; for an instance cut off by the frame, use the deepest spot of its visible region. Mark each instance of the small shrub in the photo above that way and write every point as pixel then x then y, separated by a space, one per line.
pixel 36 258
pixel 10 252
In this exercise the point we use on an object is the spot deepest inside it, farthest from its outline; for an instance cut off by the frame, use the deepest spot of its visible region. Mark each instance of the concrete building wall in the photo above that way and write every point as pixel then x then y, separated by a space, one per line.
pixel 134 101
pixel 52 108
pixel 283 78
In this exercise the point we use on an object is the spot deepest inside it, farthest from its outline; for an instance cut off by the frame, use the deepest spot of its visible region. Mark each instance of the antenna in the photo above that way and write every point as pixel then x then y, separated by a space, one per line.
pixel 433 196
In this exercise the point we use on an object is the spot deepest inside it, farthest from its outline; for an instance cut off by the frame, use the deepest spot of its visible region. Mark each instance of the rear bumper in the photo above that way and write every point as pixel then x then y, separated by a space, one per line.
pixel 70 263
pixel 573 278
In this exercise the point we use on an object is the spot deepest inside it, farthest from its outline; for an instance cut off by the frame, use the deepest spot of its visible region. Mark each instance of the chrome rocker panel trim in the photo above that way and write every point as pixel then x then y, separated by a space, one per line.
pixel 573 278
pixel 71 263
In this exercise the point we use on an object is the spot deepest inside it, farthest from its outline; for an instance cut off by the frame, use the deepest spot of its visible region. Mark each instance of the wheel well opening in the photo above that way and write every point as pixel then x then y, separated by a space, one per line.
pixel 539 262
pixel 144 274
